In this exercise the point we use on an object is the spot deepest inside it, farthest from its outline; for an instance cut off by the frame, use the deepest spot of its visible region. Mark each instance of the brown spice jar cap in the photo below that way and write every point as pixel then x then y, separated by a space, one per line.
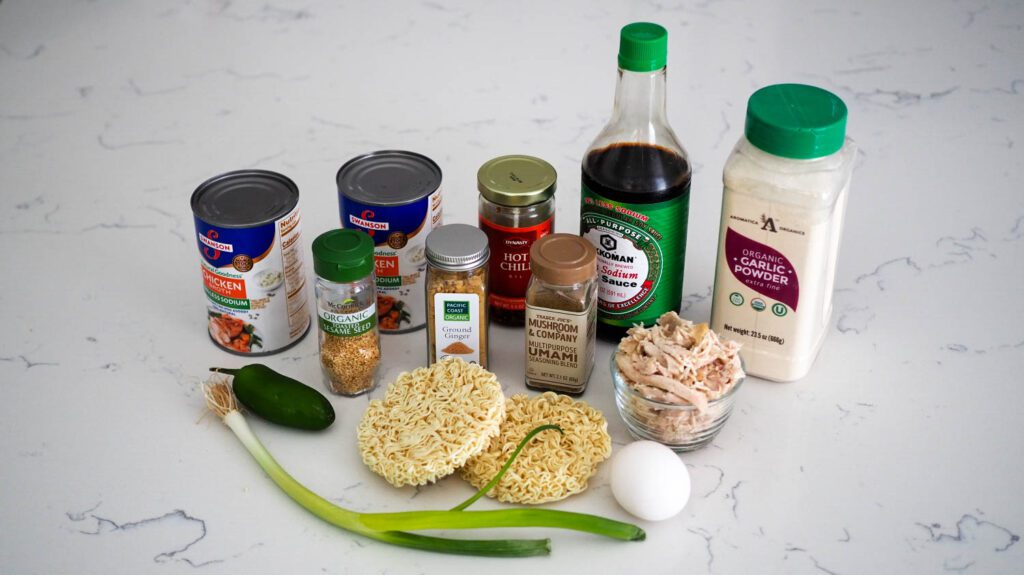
pixel 563 259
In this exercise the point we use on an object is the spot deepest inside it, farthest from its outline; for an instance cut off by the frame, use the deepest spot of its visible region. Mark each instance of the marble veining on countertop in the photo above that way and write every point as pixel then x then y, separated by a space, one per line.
pixel 899 453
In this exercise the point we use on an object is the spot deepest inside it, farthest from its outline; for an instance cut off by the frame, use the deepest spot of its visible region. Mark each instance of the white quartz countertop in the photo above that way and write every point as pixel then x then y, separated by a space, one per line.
pixel 901 452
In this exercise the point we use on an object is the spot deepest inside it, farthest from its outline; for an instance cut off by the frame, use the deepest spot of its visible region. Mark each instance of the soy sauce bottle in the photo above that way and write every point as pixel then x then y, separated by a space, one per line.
pixel 636 192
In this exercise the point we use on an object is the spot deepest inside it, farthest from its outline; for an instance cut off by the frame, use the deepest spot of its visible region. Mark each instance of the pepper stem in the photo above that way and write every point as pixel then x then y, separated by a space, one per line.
pixel 231 372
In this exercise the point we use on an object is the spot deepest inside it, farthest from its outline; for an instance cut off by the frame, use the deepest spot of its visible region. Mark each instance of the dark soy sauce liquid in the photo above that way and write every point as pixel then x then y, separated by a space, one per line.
pixel 638 174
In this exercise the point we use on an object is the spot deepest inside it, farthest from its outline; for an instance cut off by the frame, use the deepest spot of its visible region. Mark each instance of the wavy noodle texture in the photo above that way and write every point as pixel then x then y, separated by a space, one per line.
pixel 552 466
pixel 431 421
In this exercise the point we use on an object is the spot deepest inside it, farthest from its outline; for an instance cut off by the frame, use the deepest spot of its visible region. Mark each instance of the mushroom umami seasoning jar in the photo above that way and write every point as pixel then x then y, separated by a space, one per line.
pixel 247 228
pixel 395 197
pixel 346 304
pixel 517 206
pixel 456 301
pixel 561 313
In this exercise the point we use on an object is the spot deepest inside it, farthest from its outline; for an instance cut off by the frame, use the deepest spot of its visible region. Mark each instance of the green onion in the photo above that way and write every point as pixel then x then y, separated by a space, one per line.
pixel 417 520
pixel 501 472
pixel 389 527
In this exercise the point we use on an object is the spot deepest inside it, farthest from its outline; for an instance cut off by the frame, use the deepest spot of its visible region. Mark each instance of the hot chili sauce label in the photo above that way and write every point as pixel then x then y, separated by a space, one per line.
pixel 640 251
pixel 510 261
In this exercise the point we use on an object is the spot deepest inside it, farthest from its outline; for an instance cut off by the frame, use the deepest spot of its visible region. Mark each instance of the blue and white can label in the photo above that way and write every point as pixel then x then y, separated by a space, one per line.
pixel 399 235
pixel 255 284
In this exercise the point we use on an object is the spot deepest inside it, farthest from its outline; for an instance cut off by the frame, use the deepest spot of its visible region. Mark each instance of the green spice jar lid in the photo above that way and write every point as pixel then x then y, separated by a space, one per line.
pixel 643 47
pixel 563 259
pixel 343 255
pixel 516 180
pixel 796 121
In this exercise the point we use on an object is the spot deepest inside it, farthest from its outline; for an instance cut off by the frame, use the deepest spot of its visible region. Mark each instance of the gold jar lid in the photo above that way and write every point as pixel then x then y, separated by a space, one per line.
pixel 516 180
pixel 563 259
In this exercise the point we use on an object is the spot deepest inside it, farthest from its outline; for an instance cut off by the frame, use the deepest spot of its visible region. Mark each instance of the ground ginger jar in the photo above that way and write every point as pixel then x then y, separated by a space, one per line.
pixel 457 314
pixel 561 314
pixel 346 300
pixel 786 184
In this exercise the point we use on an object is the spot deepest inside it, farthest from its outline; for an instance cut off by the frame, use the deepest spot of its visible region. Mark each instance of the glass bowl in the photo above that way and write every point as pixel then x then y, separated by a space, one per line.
pixel 678 427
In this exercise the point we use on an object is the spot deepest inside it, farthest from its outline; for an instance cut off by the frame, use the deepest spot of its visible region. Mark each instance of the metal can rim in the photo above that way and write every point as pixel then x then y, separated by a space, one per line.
pixel 203 188
pixel 420 195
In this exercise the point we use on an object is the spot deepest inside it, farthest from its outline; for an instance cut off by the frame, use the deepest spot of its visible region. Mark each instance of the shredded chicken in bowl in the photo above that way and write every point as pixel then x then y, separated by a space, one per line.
pixel 674 382
pixel 678 362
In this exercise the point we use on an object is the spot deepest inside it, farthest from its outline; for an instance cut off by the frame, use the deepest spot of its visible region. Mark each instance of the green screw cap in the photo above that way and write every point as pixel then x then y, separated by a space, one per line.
pixel 343 255
pixel 643 47
pixel 796 121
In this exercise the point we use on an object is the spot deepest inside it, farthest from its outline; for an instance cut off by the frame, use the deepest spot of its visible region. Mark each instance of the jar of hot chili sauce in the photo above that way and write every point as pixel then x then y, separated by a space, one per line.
pixel 517 206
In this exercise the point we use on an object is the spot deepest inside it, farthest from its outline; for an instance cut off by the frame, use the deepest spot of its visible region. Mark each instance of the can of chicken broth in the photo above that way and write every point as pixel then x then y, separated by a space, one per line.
pixel 247 230
pixel 395 197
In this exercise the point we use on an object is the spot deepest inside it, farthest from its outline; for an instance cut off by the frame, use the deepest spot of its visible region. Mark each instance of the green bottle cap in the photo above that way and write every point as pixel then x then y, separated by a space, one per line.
pixel 643 47
pixel 343 255
pixel 796 121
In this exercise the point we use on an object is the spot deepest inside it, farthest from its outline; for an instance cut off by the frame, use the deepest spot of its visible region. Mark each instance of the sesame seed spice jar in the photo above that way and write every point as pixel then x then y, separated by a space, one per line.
pixel 346 299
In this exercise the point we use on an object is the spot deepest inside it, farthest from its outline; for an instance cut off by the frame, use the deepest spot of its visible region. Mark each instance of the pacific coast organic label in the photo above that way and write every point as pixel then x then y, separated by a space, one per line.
pixel 640 252
pixel 457 326
pixel 348 324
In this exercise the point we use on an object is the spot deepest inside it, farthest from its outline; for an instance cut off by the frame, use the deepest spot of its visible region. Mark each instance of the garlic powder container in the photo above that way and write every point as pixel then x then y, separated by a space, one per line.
pixel 786 184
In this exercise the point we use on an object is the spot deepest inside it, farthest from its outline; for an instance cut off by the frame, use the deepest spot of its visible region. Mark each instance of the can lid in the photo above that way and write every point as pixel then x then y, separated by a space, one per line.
pixel 244 198
pixel 516 180
pixel 388 178
pixel 457 247
pixel 563 259
pixel 796 121
pixel 343 255
pixel 643 47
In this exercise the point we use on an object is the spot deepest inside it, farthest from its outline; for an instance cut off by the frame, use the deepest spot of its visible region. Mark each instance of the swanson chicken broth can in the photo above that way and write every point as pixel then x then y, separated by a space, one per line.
pixel 247 229
pixel 395 197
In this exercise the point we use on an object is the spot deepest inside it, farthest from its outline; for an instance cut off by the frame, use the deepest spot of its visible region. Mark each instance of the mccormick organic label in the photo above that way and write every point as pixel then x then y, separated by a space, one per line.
pixel 399 234
pixel 254 283
pixel 457 326
pixel 640 249
pixel 347 324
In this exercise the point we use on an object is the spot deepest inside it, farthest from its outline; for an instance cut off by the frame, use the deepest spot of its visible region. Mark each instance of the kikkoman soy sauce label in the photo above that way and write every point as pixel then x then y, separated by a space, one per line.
pixel 640 249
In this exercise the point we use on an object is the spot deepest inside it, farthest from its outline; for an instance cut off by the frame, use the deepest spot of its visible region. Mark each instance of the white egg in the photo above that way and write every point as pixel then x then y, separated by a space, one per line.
pixel 650 481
